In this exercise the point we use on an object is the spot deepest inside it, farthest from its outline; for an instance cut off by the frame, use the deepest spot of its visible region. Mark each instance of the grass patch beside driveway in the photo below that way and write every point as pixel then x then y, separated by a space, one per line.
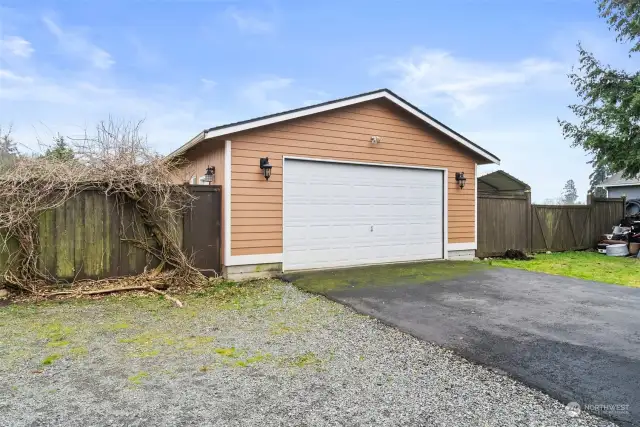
pixel 581 265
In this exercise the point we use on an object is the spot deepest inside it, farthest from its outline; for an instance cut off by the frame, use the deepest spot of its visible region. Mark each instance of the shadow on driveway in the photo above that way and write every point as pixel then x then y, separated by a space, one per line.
pixel 576 340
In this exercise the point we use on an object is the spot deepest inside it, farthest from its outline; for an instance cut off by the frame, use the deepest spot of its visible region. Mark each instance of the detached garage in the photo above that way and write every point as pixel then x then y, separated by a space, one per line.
pixel 362 180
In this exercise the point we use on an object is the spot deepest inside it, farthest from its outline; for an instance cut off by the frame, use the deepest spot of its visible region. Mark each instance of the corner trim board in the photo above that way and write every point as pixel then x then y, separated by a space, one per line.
pixel 227 202
pixel 445 213
pixel 475 204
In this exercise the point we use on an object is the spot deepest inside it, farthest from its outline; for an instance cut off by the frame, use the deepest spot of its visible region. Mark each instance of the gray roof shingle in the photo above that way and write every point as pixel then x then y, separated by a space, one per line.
pixel 617 179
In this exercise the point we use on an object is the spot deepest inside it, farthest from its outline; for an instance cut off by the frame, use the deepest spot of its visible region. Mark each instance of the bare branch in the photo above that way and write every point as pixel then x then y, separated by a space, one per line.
pixel 117 160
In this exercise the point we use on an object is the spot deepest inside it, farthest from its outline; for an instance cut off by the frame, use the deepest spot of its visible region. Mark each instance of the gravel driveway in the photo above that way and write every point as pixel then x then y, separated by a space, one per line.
pixel 265 354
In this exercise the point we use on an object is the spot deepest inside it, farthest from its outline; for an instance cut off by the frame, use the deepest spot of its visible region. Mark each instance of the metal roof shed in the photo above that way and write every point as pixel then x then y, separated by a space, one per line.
pixel 500 182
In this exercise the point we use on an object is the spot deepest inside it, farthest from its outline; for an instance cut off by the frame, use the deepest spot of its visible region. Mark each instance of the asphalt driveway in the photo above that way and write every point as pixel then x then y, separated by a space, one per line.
pixel 577 340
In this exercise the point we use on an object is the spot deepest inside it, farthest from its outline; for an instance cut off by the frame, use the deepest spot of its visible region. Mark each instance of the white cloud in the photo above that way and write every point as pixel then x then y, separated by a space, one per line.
pixel 9 75
pixel 76 45
pixel 261 94
pixel 250 23
pixel 16 46
pixel 432 76
pixel 40 106
pixel 208 84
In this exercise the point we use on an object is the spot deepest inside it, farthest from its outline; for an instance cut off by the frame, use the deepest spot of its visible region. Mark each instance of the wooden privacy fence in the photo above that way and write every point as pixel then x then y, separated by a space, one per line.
pixel 512 222
pixel 83 238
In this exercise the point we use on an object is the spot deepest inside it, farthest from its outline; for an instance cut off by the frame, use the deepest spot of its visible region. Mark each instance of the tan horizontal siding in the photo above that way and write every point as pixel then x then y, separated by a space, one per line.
pixel 259 236
pixel 249 230
pixel 360 155
pixel 258 251
pixel 255 207
pixel 345 134
pixel 255 191
pixel 329 145
pixel 254 221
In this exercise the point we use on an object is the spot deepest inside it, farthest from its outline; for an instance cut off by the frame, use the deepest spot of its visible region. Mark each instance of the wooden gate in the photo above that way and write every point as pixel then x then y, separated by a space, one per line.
pixel 201 236
pixel 561 228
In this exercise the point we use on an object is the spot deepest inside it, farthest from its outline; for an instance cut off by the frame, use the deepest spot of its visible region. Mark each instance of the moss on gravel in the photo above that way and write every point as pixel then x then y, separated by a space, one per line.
pixel 383 275
pixel 134 328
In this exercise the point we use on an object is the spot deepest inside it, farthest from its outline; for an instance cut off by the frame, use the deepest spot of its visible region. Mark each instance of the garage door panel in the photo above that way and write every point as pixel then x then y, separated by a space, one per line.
pixel 338 214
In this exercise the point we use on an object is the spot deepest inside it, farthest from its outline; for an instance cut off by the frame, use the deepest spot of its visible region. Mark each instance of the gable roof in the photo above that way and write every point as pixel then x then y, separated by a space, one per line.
pixel 230 128
pixel 502 181
pixel 616 180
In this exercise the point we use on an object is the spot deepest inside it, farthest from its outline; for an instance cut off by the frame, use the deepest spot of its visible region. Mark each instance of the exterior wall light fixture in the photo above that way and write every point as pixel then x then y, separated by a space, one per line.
pixel 266 167
pixel 460 179
pixel 209 175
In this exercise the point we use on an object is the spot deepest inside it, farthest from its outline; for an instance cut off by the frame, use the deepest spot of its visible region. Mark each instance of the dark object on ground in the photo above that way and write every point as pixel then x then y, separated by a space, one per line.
pixel 516 254
pixel 574 339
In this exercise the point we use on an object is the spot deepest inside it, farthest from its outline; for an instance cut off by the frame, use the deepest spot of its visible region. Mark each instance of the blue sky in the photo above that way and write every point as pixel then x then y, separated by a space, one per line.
pixel 494 70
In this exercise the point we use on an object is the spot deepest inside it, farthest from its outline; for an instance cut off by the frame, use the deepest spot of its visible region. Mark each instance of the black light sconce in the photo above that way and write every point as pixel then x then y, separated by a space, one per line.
pixel 266 167
pixel 210 175
pixel 460 179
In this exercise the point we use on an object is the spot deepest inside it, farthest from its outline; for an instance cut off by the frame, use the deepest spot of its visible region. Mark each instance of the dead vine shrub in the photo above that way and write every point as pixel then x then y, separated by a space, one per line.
pixel 115 160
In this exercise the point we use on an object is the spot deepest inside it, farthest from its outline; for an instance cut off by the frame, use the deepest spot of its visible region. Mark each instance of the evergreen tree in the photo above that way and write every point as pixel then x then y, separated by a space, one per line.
pixel 608 114
pixel 597 177
pixel 569 193
pixel 8 148
pixel 61 150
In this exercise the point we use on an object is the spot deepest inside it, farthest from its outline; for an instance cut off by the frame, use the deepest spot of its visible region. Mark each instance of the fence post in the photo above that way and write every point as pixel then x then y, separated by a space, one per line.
pixel 624 206
pixel 591 202
pixel 529 245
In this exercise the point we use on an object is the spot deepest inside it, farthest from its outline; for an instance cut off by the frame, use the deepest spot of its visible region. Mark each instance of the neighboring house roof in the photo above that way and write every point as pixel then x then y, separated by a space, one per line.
pixel 616 180
pixel 502 181
pixel 218 131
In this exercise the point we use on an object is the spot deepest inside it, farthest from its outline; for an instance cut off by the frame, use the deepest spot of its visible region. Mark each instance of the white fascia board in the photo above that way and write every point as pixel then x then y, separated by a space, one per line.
pixel 441 128
pixel 634 184
pixel 191 143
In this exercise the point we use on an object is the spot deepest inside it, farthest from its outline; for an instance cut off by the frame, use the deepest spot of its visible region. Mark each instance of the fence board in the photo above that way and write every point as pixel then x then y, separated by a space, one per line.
pixel 561 228
pixel 607 212
pixel 512 222
pixel 502 223
pixel 83 237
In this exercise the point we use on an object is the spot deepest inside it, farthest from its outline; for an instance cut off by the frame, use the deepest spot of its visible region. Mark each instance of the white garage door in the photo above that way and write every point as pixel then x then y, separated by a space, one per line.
pixel 340 214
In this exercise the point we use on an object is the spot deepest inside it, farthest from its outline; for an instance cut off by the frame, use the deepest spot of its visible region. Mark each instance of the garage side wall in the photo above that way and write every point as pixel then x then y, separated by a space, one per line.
pixel 343 134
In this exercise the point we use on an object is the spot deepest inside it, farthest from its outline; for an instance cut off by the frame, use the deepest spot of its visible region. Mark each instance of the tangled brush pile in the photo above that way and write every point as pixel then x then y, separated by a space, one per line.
pixel 116 161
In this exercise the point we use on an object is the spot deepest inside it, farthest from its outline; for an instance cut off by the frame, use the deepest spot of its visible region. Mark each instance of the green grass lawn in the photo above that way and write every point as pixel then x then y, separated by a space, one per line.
pixel 583 265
